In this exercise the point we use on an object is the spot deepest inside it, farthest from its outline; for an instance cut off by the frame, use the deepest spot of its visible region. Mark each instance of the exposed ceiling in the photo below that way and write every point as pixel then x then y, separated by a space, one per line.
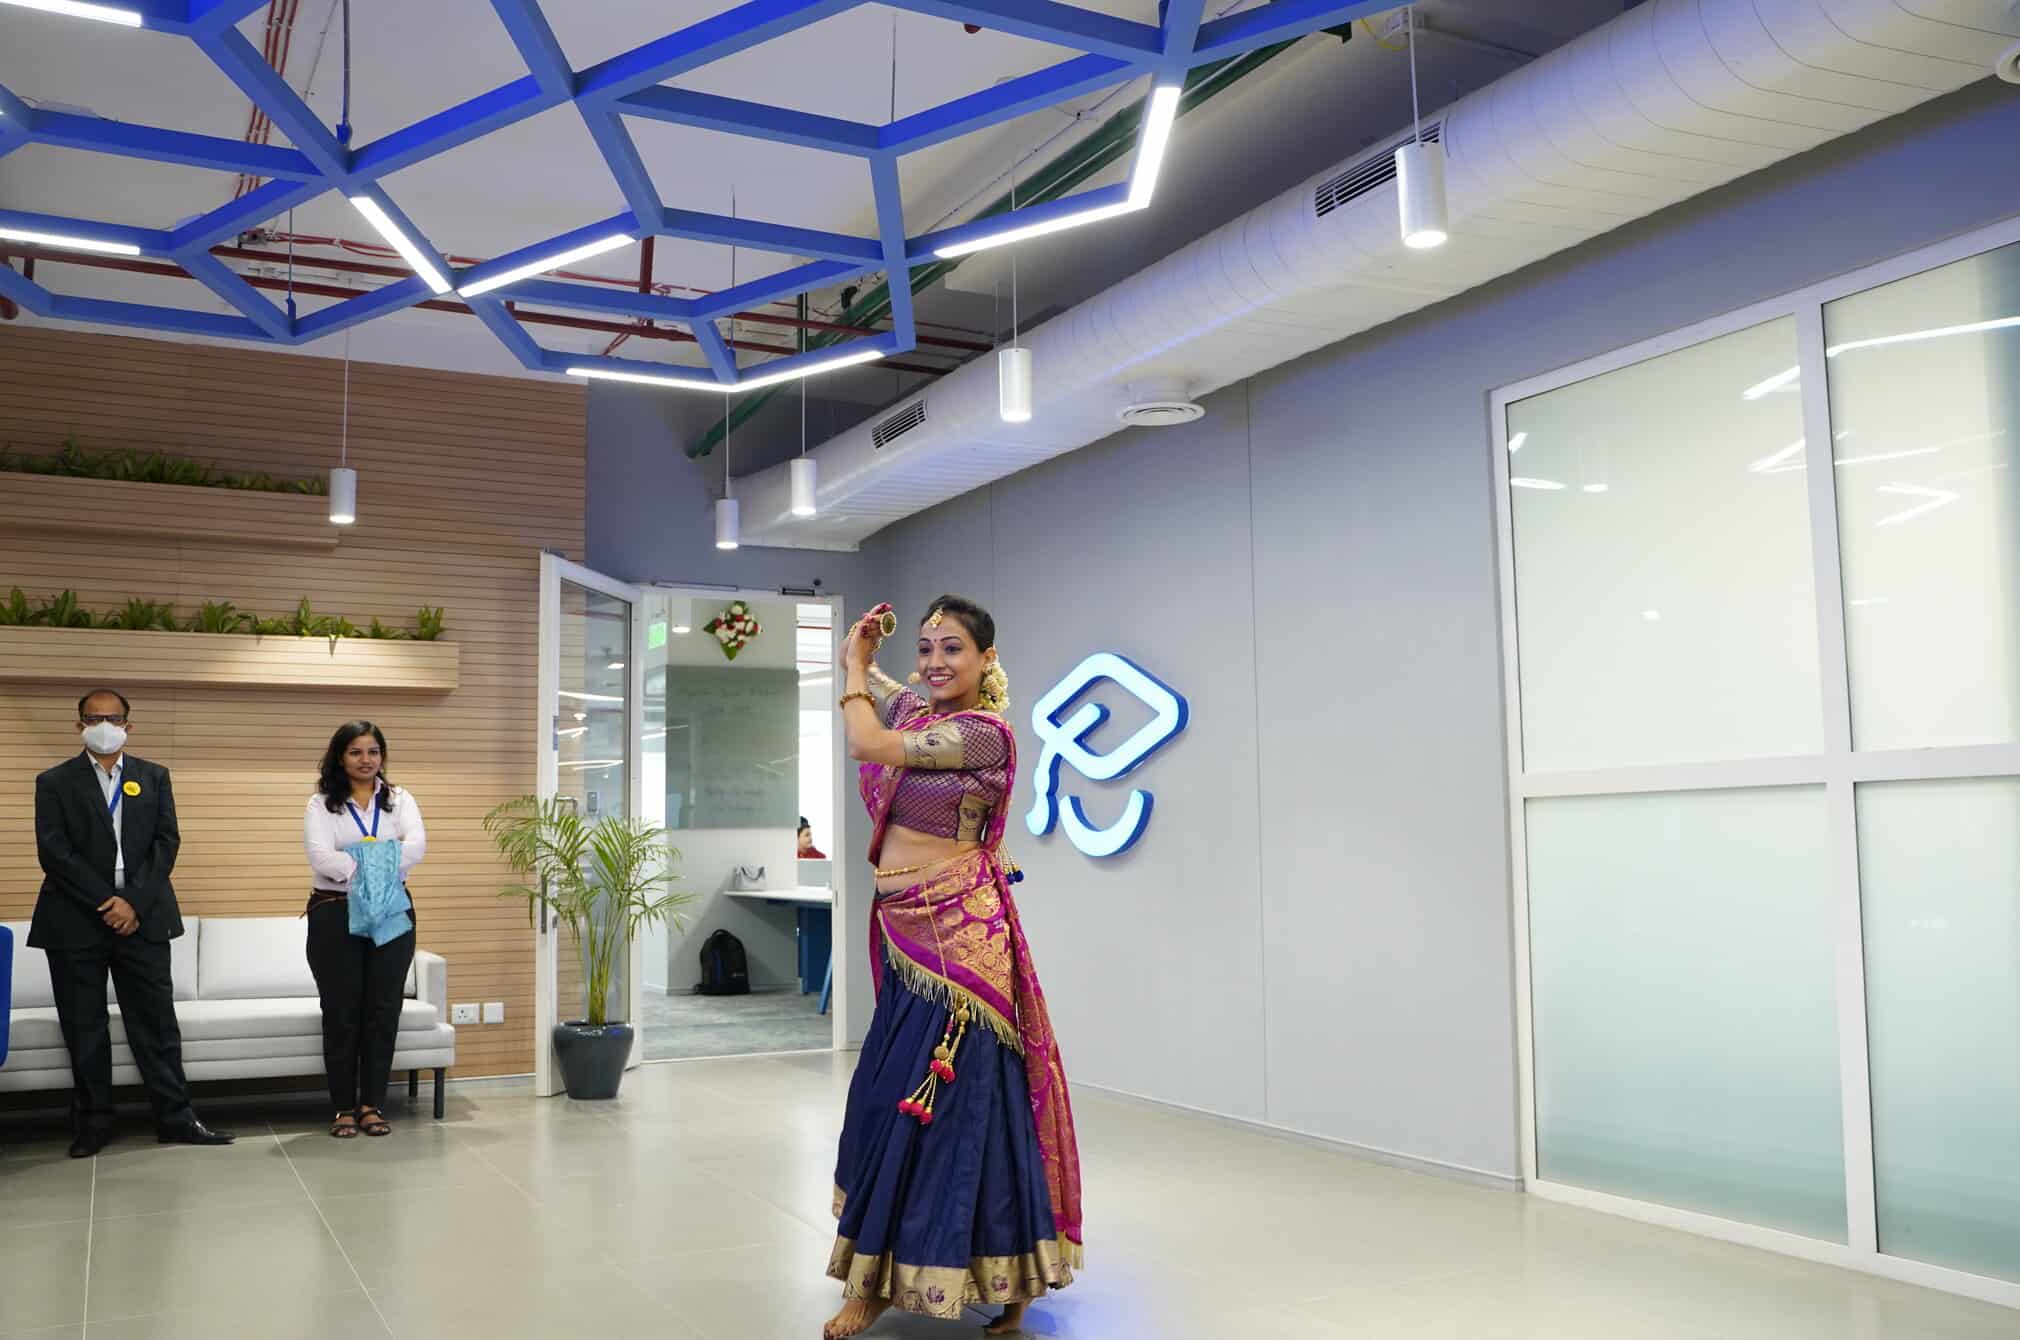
pixel 543 176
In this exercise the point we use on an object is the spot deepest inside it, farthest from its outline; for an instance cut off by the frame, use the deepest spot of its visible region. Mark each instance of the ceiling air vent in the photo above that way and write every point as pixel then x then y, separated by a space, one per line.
pixel 1373 171
pixel 899 424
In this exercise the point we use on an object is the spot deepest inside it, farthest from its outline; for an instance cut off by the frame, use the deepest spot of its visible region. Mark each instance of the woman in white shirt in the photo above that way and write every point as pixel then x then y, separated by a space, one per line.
pixel 361 984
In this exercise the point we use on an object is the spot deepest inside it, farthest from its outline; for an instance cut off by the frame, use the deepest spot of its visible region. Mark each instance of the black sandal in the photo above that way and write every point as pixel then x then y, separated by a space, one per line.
pixel 373 1122
pixel 345 1127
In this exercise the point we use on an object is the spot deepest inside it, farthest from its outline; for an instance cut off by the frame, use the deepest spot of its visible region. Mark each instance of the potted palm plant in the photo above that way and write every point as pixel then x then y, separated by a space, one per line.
pixel 604 881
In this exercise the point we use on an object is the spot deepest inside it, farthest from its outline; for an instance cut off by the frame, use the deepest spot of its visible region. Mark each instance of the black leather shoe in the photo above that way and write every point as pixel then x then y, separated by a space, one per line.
pixel 192 1132
pixel 88 1143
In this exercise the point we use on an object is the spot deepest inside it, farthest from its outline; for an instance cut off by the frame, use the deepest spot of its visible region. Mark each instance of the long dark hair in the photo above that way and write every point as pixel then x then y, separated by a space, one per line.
pixel 973 617
pixel 335 783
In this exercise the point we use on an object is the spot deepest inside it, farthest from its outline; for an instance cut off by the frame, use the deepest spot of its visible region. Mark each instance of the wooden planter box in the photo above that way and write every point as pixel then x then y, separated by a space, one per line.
pixel 115 656
pixel 166 511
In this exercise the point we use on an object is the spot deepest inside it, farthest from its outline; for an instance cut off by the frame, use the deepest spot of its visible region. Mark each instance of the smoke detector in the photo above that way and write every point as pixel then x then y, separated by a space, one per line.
pixel 1161 403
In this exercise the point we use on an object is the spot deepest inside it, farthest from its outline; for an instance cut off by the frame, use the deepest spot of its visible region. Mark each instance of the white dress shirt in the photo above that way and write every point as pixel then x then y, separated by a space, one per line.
pixel 108 786
pixel 325 836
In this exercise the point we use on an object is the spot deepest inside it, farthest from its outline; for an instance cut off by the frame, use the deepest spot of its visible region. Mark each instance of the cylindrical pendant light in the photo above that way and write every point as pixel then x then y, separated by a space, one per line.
pixel 1013 384
pixel 726 528
pixel 343 479
pixel 1013 365
pixel 804 475
pixel 343 496
pixel 1420 193
pixel 1420 173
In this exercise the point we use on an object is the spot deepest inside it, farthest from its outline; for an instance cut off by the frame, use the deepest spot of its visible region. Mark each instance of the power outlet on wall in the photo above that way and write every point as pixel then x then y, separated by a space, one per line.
pixel 462 1014
pixel 494 1011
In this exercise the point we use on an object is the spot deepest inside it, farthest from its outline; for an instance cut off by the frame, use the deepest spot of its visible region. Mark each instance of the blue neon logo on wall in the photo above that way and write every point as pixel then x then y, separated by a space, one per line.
pixel 1066 742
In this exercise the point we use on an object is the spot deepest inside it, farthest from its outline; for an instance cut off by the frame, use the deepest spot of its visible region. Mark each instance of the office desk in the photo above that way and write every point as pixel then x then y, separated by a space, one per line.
pixel 815 911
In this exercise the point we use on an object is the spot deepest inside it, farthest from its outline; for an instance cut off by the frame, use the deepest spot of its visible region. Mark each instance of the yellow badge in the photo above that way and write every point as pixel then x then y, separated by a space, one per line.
pixel 368 838
pixel 131 788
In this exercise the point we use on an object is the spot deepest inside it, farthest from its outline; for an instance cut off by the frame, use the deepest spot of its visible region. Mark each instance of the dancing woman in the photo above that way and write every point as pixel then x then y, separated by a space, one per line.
pixel 958 1177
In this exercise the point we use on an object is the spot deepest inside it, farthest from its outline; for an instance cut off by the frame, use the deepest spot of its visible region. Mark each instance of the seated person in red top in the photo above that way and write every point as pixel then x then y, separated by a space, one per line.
pixel 808 852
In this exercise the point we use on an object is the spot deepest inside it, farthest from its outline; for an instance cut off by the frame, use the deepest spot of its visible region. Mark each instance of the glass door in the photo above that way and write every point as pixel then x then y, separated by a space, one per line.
pixel 590 720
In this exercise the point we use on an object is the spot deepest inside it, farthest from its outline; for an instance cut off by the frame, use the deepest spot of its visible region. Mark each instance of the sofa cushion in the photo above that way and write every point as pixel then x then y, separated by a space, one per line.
pixel 207 1021
pixel 31 966
pixel 275 1017
pixel 31 971
pixel 30 1029
pixel 252 958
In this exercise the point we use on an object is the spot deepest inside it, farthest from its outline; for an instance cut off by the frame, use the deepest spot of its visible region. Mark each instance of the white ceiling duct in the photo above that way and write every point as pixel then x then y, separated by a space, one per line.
pixel 1672 98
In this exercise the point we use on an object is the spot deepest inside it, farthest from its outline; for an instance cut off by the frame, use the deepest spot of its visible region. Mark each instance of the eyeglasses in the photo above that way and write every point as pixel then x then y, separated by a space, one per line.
pixel 104 718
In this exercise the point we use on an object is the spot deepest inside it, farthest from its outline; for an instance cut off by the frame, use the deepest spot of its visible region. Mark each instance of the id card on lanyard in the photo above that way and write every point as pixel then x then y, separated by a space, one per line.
pixel 371 834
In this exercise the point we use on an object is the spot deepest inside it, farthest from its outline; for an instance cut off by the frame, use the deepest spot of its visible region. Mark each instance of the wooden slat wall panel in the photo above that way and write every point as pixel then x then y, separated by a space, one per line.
pixel 462 481
pixel 206 515
pixel 68 655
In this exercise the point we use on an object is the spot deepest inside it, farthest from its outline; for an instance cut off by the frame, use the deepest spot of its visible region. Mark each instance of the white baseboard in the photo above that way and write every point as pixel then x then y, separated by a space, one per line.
pixel 1371 1153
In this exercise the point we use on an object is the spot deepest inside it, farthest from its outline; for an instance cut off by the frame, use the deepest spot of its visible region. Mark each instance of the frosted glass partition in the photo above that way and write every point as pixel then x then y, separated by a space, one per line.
pixel 1683 989
pixel 1665 605
pixel 1940 880
pixel 1925 410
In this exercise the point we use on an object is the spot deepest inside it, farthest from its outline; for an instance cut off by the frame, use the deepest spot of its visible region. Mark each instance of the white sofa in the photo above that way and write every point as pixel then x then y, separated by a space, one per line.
pixel 247 1006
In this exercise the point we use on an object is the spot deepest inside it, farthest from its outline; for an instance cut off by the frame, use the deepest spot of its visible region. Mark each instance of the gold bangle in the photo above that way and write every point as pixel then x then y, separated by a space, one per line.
pixel 848 698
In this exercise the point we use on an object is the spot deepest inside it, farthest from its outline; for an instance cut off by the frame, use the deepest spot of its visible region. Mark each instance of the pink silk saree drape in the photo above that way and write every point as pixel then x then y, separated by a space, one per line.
pixel 957 937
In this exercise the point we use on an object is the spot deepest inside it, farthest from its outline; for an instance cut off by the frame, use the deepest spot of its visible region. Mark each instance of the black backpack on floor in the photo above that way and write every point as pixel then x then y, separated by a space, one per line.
pixel 724 970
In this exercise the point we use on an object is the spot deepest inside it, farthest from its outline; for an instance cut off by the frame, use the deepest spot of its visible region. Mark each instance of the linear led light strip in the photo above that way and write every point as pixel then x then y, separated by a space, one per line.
pixel 76 9
pixel 542 266
pixel 66 242
pixel 731 388
pixel 1157 124
pixel 399 242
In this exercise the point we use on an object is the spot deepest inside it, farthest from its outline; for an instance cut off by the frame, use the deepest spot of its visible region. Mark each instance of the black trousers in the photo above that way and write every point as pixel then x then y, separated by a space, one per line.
pixel 361 985
pixel 140 978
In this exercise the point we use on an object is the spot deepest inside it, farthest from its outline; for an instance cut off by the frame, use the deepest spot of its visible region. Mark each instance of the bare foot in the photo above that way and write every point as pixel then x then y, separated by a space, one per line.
pixel 1010 1323
pixel 857 1315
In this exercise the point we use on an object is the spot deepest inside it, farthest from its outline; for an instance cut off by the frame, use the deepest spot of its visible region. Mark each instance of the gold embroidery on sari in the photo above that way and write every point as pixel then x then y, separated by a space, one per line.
pixel 938 747
pixel 923 981
pixel 973 819
pixel 942 1291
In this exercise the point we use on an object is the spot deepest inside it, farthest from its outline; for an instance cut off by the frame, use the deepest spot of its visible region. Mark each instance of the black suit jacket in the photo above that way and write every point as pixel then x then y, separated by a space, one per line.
pixel 73 840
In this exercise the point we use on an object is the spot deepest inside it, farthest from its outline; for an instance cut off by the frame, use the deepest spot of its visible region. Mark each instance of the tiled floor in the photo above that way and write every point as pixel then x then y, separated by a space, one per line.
pixel 695 1207
pixel 686 1026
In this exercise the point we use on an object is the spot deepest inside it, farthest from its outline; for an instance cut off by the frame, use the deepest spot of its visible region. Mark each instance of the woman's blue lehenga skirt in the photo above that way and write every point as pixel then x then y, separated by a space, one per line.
pixel 935 1217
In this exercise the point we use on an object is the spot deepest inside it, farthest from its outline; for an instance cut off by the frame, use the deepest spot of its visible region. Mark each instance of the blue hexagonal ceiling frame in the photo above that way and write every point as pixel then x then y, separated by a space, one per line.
pixel 1113 51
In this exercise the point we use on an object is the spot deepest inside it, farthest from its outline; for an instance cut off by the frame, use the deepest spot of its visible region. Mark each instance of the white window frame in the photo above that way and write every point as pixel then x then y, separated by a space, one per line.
pixel 1838 769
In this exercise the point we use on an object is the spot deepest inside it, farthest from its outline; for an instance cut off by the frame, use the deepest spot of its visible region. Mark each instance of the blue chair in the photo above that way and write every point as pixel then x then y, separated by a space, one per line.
pixel 6 986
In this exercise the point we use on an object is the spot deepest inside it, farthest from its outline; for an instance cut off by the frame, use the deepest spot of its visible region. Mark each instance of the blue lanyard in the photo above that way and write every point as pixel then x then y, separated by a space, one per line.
pixel 359 819
pixel 112 806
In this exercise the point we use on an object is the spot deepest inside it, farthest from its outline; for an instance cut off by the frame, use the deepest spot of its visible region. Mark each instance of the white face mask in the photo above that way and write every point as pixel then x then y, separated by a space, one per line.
pixel 102 737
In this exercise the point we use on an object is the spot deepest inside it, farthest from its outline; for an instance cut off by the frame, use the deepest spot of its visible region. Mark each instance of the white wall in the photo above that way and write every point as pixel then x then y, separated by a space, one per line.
pixel 1314 933
pixel 707 857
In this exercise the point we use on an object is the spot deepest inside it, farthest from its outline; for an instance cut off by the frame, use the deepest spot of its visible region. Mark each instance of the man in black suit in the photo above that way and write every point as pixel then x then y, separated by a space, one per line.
pixel 106 836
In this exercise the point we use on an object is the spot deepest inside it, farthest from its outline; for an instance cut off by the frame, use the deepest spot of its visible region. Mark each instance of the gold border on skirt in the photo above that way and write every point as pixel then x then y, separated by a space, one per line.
pixel 942 1291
